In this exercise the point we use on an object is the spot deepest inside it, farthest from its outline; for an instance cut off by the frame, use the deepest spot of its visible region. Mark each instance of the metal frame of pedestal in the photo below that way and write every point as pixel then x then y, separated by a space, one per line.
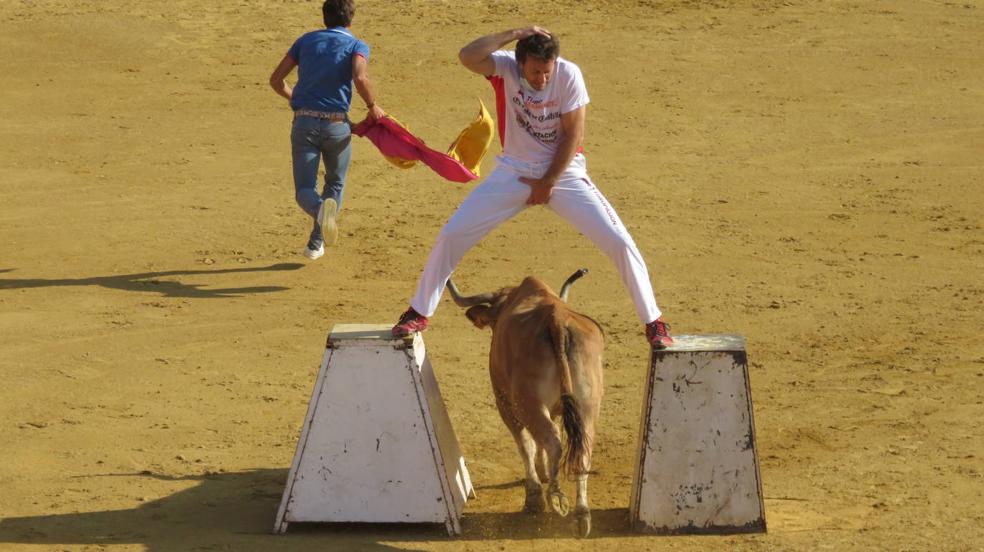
pixel 377 444
pixel 697 471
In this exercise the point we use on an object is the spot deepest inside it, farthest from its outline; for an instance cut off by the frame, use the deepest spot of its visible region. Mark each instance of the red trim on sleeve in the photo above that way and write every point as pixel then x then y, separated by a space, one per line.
pixel 499 85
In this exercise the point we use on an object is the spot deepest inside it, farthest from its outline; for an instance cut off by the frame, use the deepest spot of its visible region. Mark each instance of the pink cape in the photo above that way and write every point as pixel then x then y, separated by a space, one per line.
pixel 395 141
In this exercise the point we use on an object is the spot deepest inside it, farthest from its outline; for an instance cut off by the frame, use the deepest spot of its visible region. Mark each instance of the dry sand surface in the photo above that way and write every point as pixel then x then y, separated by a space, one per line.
pixel 806 174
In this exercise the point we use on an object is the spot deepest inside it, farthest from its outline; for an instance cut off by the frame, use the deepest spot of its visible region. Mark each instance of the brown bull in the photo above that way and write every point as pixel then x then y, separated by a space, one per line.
pixel 545 362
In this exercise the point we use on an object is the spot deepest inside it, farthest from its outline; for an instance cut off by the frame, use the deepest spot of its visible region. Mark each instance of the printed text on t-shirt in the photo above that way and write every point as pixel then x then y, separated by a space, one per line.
pixel 524 117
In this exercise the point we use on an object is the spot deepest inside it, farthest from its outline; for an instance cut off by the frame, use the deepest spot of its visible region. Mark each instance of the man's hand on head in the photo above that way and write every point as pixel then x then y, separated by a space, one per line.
pixel 530 31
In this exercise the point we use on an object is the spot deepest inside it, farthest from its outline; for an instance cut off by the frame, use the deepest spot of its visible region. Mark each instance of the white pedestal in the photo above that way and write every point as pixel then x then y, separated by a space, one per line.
pixel 697 470
pixel 377 444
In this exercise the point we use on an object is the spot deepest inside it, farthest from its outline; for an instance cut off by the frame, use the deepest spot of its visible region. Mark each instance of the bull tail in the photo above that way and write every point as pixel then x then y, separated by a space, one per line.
pixel 572 461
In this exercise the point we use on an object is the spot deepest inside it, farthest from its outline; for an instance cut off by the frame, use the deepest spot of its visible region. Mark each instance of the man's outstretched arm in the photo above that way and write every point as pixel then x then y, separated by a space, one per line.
pixel 477 55
pixel 360 76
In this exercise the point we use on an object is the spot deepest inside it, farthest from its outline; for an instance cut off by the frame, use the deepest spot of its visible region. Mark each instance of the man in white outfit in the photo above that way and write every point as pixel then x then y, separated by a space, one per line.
pixel 541 101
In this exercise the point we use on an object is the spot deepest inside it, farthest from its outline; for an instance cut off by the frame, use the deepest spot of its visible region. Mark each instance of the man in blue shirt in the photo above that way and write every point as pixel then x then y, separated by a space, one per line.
pixel 329 61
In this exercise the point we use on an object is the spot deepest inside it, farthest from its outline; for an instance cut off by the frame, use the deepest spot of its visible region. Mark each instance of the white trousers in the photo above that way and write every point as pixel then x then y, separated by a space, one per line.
pixel 501 196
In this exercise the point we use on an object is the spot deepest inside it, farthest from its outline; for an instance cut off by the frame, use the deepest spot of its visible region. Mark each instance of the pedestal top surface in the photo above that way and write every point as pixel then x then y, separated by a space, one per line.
pixel 707 342
pixel 362 332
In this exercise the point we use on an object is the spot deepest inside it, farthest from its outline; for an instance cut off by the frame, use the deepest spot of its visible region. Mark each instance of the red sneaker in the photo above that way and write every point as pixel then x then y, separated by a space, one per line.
pixel 658 334
pixel 410 321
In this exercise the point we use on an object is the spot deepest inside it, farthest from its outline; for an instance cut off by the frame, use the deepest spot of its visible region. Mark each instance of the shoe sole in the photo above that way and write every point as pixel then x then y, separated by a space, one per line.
pixel 329 228
pixel 660 346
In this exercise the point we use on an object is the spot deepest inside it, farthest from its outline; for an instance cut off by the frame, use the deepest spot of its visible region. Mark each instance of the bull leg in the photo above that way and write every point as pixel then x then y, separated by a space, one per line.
pixel 581 510
pixel 534 488
pixel 541 465
pixel 547 437
pixel 527 452
pixel 558 500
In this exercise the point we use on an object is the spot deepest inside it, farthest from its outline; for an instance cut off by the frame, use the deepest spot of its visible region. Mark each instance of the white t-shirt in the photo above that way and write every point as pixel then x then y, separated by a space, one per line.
pixel 530 120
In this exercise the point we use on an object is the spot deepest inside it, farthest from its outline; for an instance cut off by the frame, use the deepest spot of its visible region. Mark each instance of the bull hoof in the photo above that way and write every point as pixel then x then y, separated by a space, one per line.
pixel 583 524
pixel 535 503
pixel 559 503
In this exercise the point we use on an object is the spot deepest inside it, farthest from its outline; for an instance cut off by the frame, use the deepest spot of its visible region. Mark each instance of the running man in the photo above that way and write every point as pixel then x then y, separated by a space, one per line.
pixel 542 99
pixel 329 60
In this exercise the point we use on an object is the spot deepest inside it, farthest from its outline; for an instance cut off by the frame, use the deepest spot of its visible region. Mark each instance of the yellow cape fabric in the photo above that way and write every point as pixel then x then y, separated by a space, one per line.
pixel 473 142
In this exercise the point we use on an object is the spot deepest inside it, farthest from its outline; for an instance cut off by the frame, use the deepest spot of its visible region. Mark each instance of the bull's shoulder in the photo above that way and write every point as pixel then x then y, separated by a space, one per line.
pixel 531 285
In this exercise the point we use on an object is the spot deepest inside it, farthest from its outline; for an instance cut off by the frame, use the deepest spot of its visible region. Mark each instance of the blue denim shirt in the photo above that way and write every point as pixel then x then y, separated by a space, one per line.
pixel 324 69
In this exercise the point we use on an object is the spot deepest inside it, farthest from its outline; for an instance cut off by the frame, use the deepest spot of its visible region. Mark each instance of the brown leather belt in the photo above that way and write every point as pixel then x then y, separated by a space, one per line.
pixel 333 116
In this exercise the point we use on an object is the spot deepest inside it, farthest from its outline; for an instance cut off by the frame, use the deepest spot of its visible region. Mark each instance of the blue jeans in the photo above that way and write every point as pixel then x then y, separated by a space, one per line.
pixel 313 139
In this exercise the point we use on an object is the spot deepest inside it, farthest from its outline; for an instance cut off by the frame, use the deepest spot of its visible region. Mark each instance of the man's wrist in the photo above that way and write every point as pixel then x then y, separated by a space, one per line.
pixel 511 35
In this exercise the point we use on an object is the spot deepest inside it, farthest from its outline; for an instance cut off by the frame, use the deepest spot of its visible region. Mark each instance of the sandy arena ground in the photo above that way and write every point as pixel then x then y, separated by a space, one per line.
pixel 806 174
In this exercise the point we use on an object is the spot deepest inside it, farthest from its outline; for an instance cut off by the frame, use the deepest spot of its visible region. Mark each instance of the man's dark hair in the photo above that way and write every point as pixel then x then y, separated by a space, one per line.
pixel 538 46
pixel 338 13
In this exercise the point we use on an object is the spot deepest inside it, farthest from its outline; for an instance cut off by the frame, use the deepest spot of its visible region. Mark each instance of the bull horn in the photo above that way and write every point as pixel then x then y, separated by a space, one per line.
pixel 567 285
pixel 465 302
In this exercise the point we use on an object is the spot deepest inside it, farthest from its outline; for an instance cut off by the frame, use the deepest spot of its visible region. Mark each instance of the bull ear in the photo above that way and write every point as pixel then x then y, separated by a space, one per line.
pixel 480 315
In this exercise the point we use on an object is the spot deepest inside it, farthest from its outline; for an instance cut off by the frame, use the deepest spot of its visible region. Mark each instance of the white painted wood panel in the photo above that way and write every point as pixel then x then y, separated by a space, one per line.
pixel 377 444
pixel 697 469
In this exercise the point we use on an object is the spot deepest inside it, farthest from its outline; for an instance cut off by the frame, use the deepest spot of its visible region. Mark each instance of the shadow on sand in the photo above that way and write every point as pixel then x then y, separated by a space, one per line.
pixel 152 282
pixel 236 511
